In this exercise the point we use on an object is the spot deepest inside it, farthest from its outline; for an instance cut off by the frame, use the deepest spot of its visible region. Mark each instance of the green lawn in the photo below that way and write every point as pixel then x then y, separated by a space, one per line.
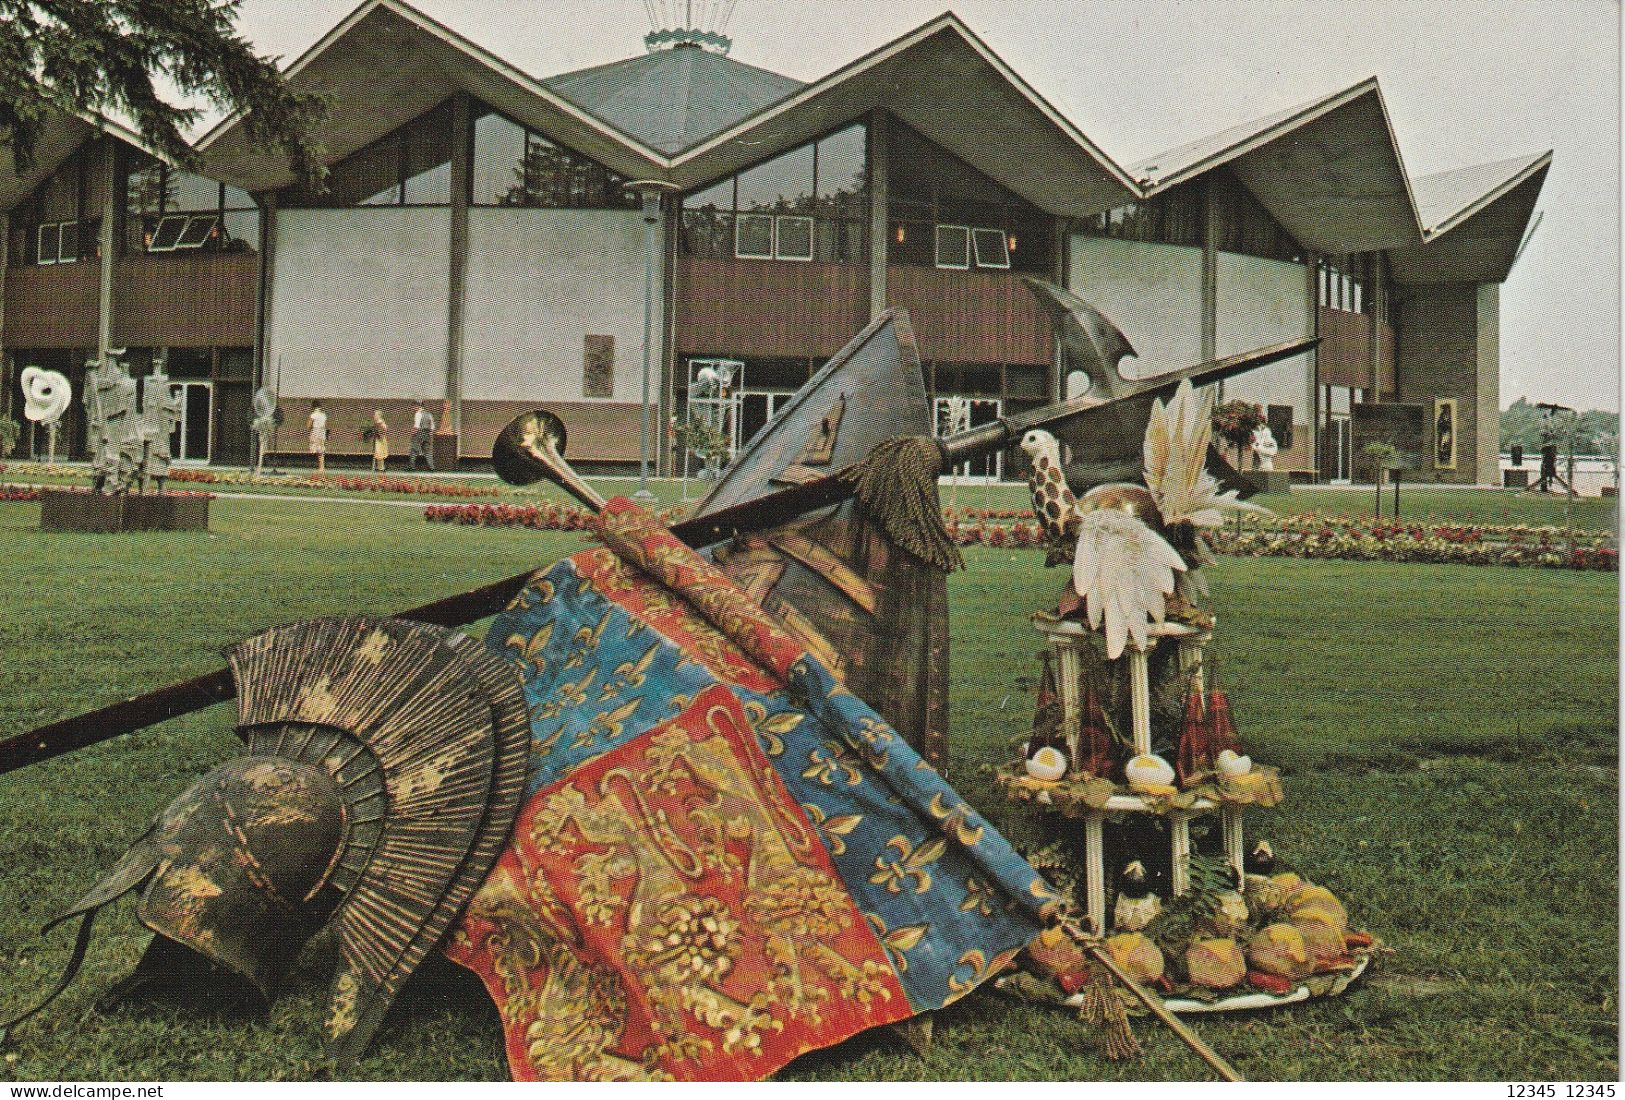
pixel 1448 736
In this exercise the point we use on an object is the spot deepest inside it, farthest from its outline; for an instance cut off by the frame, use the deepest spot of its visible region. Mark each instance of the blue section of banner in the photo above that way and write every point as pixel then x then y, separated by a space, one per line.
pixel 942 890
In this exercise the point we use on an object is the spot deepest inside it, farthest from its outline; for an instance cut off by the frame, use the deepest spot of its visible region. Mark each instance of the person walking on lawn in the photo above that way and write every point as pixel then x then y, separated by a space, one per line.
pixel 422 436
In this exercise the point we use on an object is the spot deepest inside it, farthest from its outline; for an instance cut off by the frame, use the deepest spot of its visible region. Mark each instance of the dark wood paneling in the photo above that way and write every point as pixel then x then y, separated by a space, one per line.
pixel 52 307
pixel 196 299
pixel 599 431
pixel 769 308
pixel 971 316
pixel 1345 349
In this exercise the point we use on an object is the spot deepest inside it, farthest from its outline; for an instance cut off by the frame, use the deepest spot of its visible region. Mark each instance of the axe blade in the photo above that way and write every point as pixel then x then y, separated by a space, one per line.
pixel 1088 338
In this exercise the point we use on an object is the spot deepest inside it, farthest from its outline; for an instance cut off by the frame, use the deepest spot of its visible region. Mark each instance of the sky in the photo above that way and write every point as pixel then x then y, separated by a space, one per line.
pixel 1465 81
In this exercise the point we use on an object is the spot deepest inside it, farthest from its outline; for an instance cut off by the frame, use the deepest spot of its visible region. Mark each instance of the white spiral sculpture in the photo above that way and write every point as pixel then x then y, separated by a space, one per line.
pixel 46 394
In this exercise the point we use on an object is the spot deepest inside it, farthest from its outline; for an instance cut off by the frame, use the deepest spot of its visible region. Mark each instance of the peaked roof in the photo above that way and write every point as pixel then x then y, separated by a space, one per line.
pixel 61 136
pixel 1479 218
pixel 687 117
pixel 675 98
pixel 1445 199
pixel 1329 170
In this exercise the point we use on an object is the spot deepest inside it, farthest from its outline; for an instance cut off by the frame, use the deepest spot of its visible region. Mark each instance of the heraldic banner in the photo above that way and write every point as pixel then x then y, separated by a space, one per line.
pixel 724 858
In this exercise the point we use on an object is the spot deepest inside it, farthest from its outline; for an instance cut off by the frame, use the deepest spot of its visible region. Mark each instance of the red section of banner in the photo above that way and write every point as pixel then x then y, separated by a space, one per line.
pixel 669 912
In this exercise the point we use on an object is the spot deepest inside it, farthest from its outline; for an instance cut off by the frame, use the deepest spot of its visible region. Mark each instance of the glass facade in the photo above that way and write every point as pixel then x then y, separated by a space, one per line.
pixel 516 166
pixel 170 210
pixel 60 223
pixel 811 203
pixel 410 167
pixel 1177 216
pixel 943 213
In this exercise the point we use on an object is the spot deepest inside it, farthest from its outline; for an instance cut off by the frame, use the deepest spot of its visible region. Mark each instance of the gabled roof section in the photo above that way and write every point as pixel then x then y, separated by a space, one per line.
pixel 1478 218
pixel 1446 199
pixel 385 64
pixel 61 136
pixel 1329 170
pixel 944 81
pixel 675 98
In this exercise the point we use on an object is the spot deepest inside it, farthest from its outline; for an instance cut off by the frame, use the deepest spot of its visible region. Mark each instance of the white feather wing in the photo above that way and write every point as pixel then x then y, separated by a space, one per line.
pixel 1124 571
pixel 1176 442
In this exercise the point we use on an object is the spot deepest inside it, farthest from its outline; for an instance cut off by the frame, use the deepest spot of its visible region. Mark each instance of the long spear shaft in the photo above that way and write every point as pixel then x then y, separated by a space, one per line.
pixel 129 715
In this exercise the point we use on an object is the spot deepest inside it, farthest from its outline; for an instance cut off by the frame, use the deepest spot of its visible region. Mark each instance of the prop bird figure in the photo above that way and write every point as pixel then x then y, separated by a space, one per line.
pixel 1121 538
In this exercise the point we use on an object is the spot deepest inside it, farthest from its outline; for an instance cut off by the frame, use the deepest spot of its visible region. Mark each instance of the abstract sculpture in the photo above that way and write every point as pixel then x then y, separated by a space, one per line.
pixel 46 396
pixel 129 440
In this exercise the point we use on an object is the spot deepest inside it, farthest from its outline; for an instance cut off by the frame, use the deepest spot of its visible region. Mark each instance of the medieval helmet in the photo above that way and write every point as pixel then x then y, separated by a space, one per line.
pixel 384 767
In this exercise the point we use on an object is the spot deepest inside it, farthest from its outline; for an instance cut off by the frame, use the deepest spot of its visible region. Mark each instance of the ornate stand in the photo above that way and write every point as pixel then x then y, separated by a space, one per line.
pixel 1072 643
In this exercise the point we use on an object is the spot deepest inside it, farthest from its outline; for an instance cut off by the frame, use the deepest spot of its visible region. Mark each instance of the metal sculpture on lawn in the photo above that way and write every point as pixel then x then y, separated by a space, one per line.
pixel 129 437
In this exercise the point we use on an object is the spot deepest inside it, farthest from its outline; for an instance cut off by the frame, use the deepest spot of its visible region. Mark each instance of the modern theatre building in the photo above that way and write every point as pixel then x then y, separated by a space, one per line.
pixel 490 240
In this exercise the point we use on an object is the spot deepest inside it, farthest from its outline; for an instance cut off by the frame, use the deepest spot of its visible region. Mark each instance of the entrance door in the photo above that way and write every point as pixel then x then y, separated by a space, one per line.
pixel 191 440
pixel 983 410
pixel 1339 450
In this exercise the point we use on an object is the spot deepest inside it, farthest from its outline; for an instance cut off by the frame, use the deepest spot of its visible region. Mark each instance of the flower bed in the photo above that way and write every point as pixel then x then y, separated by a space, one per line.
pixel 412 486
pixel 1355 540
pixel 19 492
pixel 1285 537
pixel 343 483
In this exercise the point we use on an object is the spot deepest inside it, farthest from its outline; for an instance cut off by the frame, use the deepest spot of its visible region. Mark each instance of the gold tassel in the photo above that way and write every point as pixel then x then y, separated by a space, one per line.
pixel 1104 1008
pixel 896 486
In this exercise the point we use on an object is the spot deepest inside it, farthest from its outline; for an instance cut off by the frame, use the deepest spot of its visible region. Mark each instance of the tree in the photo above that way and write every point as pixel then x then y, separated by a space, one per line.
pixel 110 56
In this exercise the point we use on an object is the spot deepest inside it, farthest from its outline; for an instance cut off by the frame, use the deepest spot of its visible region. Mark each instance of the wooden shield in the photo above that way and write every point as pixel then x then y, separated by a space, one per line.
pixel 875 614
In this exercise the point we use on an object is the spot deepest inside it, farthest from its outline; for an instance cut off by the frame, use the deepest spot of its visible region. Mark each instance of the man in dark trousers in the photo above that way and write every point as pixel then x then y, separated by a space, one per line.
pixel 422 437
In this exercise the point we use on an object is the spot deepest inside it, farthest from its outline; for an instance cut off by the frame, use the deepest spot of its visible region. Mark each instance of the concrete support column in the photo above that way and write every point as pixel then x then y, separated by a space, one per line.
pixel 672 231
pixel 107 165
pixel 1487 388
pixel 1210 276
pixel 262 298
pixel 878 199
pixel 1312 292
pixel 461 155
pixel 5 348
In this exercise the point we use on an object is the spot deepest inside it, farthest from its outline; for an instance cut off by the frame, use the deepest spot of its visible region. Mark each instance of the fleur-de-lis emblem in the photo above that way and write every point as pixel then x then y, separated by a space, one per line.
pixel 568 695
pixel 978 898
pixel 832 829
pixel 831 765
pixel 895 873
pixel 897 941
pixel 609 724
pixel 586 641
pixel 956 820
pixel 770 731
pixel 528 651
pixel 629 674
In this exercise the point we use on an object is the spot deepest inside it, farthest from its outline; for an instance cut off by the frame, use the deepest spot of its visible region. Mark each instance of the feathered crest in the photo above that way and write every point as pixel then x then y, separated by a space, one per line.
pixel 1124 571
pixel 1176 444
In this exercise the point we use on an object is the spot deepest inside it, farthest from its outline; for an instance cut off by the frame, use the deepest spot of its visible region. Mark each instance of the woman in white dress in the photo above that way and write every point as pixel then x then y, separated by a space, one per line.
pixel 318 435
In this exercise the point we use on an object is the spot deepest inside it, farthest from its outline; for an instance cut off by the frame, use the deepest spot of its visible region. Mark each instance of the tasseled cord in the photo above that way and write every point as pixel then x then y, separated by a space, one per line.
pixel 896 486
pixel 1103 1008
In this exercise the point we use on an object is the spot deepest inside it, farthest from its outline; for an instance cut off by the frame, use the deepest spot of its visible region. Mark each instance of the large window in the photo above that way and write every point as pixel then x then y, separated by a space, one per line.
pixel 944 213
pixel 1178 215
pixel 1244 226
pixel 169 210
pixel 1343 282
pixel 516 166
pixel 1173 217
pixel 811 203
pixel 58 223
pixel 410 167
